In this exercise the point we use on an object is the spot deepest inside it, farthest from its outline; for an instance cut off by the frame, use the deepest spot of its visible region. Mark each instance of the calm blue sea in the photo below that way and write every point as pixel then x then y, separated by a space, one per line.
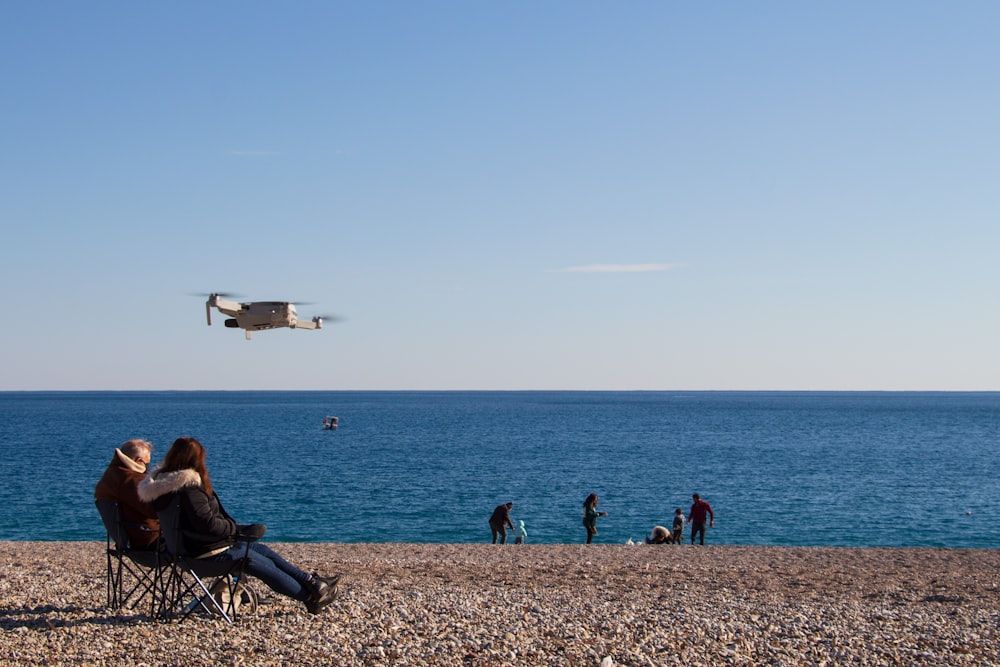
pixel 779 468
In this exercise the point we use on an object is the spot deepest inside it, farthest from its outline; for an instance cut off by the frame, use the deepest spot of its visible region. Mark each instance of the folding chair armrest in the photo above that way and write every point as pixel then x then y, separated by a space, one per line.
pixel 250 532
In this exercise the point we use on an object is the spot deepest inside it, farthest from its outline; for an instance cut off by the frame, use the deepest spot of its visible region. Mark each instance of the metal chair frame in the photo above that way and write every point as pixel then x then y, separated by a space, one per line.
pixel 185 589
pixel 143 568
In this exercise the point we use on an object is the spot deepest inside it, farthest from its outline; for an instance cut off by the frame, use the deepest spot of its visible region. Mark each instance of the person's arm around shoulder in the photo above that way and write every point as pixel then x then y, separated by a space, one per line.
pixel 128 496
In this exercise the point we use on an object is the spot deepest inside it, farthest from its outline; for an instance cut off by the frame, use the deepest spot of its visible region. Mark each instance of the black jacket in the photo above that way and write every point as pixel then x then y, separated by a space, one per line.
pixel 205 525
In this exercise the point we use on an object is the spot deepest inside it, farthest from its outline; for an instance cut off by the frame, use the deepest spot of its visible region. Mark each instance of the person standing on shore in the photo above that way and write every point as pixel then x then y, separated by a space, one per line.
pixel 120 483
pixel 590 515
pixel 499 521
pixel 700 510
pixel 677 536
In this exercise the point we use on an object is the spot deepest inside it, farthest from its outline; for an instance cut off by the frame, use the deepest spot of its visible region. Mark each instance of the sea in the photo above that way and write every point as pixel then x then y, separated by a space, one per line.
pixel 852 469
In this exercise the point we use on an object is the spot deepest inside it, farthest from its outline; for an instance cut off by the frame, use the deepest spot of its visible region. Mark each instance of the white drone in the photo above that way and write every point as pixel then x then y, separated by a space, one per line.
pixel 259 315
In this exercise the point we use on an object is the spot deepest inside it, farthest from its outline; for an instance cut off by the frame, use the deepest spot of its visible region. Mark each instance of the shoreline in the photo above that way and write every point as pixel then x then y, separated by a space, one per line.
pixel 481 604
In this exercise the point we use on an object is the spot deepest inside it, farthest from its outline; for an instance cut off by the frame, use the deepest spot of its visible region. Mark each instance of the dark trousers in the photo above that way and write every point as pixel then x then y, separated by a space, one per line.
pixel 697 528
pixel 267 565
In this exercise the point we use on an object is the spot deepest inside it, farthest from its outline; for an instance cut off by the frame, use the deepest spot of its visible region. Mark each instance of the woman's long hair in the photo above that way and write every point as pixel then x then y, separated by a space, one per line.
pixel 188 454
pixel 591 500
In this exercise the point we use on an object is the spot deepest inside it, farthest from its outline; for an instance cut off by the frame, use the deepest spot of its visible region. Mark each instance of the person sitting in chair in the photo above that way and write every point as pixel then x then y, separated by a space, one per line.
pixel 208 532
pixel 120 482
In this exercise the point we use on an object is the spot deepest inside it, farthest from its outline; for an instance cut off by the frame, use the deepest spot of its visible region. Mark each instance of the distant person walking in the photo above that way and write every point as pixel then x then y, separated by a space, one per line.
pixel 590 515
pixel 700 511
pixel 499 521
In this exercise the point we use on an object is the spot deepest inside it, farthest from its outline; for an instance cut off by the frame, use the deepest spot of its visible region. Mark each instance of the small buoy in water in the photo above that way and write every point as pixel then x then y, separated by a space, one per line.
pixel 968 513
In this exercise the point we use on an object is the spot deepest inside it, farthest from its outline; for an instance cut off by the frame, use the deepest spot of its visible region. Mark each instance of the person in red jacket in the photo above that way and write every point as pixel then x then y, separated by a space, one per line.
pixel 700 510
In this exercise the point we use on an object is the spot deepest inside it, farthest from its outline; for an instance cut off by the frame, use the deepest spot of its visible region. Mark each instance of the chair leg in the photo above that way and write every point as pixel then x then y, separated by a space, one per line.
pixel 178 590
pixel 159 593
pixel 115 592
pixel 110 580
pixel 211 599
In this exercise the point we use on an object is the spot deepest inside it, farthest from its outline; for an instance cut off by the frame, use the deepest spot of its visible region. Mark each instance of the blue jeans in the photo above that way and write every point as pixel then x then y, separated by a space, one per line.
pixel 265 564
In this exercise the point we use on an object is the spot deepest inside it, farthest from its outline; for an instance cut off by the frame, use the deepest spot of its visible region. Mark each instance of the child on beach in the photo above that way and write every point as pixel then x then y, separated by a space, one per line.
pixel 678 527
pixel 590 515
pixel 522 534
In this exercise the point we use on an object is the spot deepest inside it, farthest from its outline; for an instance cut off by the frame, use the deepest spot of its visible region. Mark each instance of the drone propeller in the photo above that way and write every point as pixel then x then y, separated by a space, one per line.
pixel 333 319
pixel 213 298
pixel 208 295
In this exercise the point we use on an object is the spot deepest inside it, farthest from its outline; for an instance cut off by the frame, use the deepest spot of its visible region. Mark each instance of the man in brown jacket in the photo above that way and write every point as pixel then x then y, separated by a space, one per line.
pixel 499 521
pixel 119 483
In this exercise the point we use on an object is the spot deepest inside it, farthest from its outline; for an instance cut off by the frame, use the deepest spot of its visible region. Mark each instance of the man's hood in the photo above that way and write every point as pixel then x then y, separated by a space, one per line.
pixel 128 463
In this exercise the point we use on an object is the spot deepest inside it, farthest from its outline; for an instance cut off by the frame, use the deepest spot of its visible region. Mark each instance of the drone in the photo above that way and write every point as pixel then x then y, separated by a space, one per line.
pixel 258 315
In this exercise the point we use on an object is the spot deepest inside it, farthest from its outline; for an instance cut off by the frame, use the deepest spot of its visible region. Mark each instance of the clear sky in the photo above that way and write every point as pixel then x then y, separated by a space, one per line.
pixel 503 195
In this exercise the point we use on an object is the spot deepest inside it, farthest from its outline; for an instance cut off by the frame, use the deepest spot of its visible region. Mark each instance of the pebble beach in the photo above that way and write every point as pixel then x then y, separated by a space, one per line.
pixel 596 605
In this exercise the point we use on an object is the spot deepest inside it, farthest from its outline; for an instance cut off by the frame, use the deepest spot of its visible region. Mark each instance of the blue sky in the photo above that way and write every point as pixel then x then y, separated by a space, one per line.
pixel 557 195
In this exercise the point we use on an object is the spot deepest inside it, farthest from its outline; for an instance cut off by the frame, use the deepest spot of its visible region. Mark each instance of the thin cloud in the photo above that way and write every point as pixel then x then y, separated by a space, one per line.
pixel 618 268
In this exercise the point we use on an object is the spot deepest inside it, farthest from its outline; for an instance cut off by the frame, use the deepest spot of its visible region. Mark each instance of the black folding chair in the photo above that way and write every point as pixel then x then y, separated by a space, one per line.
pixel 186 591
pixel 132 574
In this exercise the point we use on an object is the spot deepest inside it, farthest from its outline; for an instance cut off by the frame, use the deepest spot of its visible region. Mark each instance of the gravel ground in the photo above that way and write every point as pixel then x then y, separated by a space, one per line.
pixel 598 605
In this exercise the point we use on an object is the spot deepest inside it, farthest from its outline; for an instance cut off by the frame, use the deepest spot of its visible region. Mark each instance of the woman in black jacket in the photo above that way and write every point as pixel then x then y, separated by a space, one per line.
pixel 208 531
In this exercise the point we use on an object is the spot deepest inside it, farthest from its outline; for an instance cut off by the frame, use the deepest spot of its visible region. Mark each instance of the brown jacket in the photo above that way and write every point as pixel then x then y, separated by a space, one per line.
pixel 501 516
pixel 119 483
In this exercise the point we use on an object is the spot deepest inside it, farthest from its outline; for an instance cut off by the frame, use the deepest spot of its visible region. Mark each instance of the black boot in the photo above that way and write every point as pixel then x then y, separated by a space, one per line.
pixel 320 594
pixel 329 581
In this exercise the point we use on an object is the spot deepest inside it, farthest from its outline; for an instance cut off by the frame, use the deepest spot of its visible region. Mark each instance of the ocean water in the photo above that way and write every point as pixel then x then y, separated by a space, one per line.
pixel 779 468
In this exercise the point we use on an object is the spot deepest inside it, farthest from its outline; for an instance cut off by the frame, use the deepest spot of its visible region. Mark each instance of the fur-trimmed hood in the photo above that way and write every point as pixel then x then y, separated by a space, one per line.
pixel 158 484
pixel 205 527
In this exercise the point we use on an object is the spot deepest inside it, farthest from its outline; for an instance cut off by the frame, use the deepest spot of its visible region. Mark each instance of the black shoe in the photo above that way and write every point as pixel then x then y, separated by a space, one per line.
pixel 329 581
pixel 320 595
